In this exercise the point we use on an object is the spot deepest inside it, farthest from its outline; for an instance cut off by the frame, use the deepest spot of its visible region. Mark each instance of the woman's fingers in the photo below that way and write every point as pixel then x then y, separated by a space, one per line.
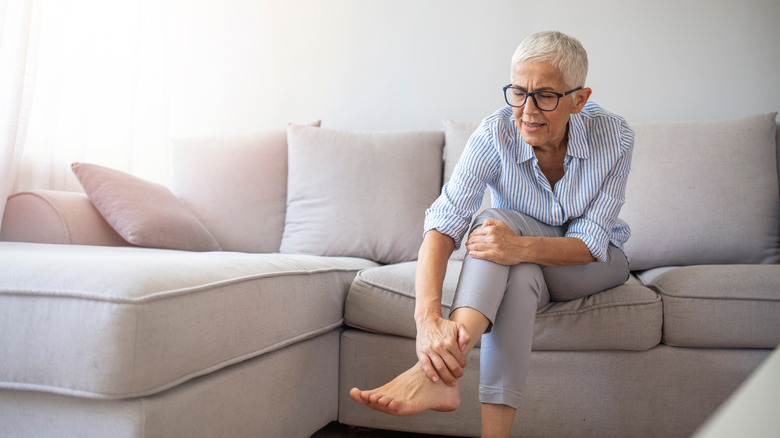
pixel 439 351
pixel 427 367
pixel 463 341
pixel 491 222
pixel 445 374
pixel 454 368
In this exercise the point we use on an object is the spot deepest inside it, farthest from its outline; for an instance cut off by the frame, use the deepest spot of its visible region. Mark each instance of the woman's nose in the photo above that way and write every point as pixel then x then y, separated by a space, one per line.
pixel 530 104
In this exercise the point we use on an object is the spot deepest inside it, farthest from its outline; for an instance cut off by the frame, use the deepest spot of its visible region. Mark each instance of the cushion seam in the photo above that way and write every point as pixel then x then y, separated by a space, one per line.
pixel 167 293
pixel 598 307
pixel 360 278
pixel 56 211
pixel 664 293
pixel 176 381
pixel 538 315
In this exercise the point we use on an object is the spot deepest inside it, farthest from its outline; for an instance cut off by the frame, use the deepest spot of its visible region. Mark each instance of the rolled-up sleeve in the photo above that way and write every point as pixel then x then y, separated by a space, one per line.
pixel 461 196
pixel 595 226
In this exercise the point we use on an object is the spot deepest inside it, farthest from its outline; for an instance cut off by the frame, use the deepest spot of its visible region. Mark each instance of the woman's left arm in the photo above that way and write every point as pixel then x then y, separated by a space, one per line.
pixel 595 226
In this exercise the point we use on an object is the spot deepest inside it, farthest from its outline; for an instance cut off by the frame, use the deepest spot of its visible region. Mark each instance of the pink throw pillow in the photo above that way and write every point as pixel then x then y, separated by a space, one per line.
pixel 143 213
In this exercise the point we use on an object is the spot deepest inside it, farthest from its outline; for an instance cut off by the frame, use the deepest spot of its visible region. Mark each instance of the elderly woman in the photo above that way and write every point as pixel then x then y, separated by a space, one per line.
pixel 556 166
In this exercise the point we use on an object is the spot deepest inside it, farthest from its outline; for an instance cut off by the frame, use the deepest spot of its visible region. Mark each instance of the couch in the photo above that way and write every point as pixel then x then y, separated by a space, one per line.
pixel 276 271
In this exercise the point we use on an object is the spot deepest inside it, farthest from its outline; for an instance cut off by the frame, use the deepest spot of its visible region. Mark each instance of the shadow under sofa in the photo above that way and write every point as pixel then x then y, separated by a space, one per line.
pixel 104 338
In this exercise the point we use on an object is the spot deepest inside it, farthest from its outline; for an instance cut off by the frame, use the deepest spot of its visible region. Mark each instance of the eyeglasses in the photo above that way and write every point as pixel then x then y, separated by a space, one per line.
pixel 544 100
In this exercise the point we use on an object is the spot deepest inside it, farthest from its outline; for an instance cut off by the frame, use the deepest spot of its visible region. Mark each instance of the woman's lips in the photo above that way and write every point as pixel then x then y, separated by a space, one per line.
pixel 532 127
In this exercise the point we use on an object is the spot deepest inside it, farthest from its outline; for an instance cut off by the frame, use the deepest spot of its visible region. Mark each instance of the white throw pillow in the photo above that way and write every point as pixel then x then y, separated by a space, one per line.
pixel 360 194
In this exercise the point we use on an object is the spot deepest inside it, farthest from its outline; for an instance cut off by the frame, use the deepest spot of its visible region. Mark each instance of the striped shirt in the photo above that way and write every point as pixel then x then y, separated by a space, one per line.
pixel 586 200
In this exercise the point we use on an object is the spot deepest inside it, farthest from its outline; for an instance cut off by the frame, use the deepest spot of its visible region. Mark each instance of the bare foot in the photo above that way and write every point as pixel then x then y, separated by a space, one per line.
pixel 409 393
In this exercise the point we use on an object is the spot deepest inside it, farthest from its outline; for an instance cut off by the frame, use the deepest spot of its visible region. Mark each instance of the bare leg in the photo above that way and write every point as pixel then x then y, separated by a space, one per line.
pixel 497 420
pixel 412 392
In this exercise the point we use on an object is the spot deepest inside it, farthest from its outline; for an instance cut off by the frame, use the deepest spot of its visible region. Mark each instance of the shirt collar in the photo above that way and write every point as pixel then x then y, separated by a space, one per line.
pixel 578 137
pixel 578 140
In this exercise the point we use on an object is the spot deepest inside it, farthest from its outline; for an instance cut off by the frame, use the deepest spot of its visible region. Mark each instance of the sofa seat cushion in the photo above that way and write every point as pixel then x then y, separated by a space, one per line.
pixel 720 306
pixel 117 322
pixel 628 317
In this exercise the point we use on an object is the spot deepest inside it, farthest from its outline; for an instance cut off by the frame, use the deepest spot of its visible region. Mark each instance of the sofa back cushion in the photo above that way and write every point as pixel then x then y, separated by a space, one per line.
pixel 360 194
pixel 236 186
pixel 703 193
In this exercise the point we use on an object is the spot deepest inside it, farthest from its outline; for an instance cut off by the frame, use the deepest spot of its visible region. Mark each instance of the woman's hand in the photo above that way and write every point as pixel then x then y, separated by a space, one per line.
pixel 440 346
pixel 496 242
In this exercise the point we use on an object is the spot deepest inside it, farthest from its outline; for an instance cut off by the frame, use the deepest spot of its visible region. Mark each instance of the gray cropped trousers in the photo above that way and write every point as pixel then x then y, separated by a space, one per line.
pixel 510 296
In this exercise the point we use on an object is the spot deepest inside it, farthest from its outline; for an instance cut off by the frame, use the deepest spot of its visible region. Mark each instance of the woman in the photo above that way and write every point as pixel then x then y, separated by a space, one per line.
pixel 556 166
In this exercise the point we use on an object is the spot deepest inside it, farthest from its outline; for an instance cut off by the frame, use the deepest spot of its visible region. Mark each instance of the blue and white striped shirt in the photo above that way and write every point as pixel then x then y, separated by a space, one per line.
pixel 586 200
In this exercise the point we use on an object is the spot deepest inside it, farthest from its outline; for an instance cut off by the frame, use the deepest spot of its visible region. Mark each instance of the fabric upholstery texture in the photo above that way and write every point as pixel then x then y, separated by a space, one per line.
pixel 721 306
pixel 54 216
pixel 250 399
pixel 703 193
pixel 237 186
pixel 143 213
pixel 114 322
pixel 628 317
pixel 663 392
pixel 360 194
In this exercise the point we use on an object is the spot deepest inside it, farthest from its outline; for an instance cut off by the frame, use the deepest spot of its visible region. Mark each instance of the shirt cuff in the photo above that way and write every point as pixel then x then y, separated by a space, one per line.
pixel 594 237
pixel 449 224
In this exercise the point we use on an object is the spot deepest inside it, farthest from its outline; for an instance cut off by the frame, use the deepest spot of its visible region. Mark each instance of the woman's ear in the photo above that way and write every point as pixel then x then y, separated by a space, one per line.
pixel 581 99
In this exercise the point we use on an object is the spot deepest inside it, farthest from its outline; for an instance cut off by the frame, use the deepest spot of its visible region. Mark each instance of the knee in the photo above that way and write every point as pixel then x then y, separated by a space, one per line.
pixel 490 213
pixel 527 280
pixel 506 216
pixel 520 223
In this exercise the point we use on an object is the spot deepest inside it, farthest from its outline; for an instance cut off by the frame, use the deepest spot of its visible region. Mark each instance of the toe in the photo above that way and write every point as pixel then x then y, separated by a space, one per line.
pixel 357 395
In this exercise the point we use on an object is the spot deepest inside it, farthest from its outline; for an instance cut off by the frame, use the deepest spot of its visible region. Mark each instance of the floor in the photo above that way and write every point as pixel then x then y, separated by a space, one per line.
pixel 336 430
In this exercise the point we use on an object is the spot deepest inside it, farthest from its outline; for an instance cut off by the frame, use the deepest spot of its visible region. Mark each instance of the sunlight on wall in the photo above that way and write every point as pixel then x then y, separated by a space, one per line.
pixel 100 92
pixel 116 80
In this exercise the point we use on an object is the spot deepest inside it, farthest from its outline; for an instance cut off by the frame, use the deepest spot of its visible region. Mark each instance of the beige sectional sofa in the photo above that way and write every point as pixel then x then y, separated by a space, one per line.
pixel 307 289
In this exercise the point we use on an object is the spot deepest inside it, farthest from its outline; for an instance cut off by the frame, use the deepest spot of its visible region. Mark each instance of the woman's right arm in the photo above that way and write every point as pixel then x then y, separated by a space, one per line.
pixel 440 342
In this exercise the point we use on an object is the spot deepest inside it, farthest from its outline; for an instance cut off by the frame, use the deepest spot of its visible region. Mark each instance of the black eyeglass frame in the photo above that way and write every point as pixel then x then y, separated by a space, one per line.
pixel 533 96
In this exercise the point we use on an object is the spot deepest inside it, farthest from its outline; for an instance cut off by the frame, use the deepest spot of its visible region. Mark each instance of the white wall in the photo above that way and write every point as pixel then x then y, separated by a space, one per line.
pixel 239 65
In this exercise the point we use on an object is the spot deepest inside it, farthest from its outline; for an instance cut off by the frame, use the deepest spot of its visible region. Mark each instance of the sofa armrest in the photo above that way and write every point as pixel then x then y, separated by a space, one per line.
pixel 50 216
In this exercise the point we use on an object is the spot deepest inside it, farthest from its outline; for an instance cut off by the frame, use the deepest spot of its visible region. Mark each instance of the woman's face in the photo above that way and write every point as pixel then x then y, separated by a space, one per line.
pixel 545 129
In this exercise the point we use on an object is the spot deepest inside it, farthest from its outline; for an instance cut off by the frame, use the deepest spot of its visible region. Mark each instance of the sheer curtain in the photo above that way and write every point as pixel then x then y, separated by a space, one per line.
pixel 100 92
pixel 19 20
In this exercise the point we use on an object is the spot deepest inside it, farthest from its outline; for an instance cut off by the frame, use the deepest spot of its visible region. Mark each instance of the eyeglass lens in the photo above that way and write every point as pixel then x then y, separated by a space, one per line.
pixel 545 101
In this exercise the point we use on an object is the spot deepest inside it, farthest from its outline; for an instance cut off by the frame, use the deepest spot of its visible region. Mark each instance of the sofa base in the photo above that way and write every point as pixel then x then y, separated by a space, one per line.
pixel 288 393
pixel 662 392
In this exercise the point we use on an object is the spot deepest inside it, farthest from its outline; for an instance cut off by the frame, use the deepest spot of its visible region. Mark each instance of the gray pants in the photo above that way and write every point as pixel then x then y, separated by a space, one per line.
pixel 509 296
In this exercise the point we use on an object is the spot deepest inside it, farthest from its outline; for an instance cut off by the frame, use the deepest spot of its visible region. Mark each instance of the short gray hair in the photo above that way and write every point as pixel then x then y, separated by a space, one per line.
pixel 562 51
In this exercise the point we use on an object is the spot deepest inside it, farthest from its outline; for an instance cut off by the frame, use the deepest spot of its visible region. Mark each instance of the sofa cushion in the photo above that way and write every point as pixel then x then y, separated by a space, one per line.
pixel 703 193
pixel 720 306
pixel 236 186
pixel 142 212
pixel 117 322
pixel 628 317
pixel 361 194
